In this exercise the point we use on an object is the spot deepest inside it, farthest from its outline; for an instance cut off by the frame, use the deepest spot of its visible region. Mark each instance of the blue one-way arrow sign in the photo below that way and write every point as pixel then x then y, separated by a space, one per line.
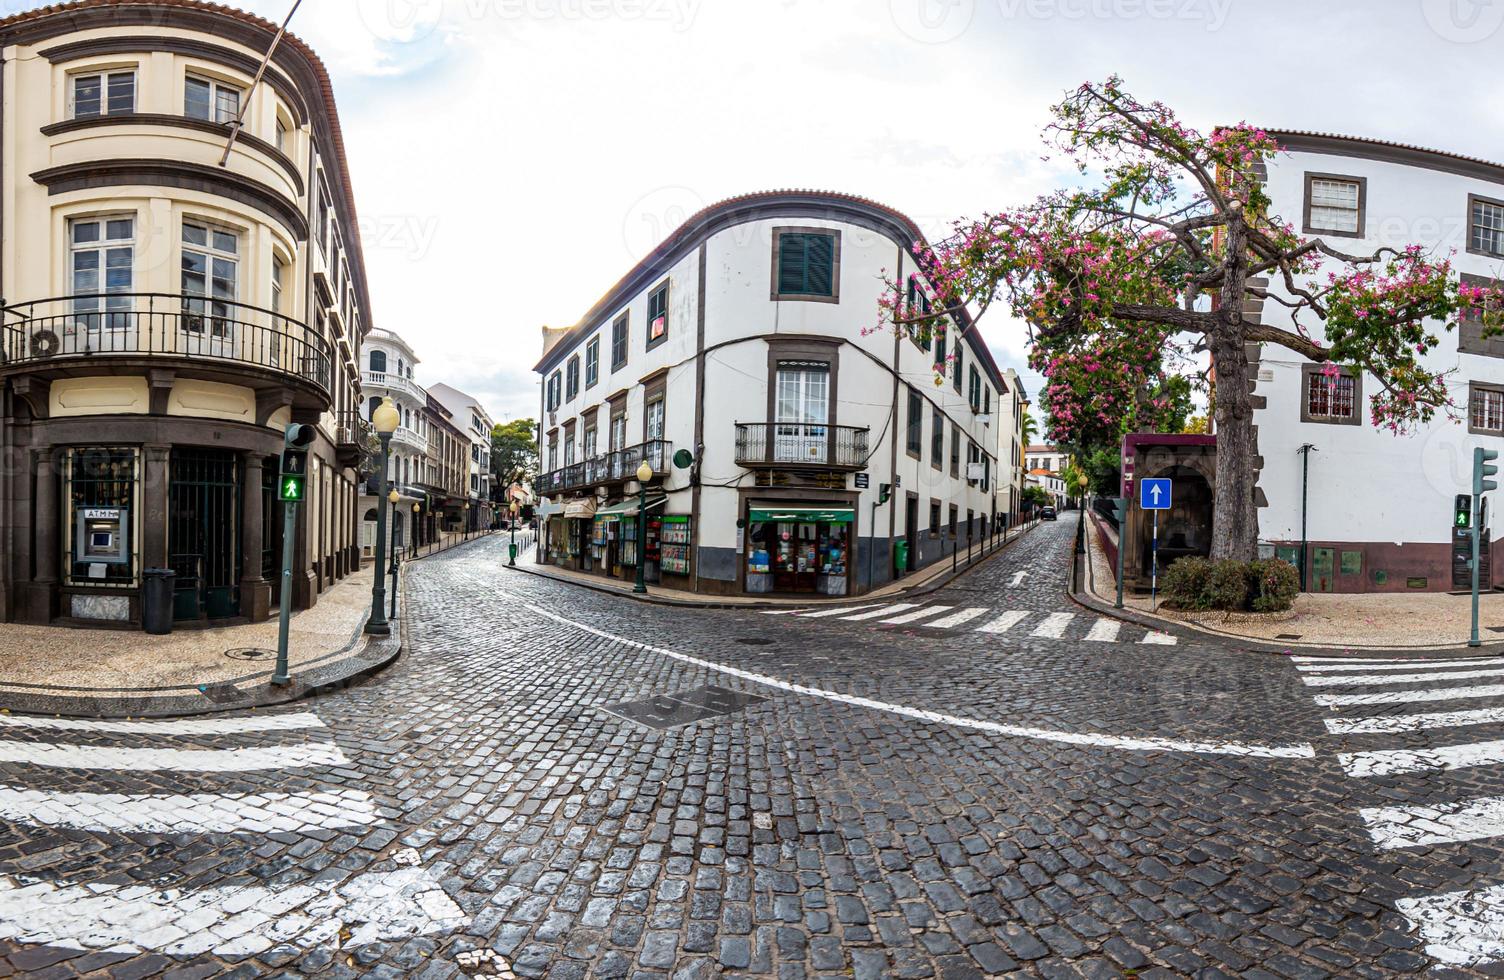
pixel 1154 494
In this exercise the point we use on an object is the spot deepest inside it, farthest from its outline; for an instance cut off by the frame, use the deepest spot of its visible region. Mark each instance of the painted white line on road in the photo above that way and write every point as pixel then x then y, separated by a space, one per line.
pixel 1408 697
pixel 1412 661
pixel 1393 762
pixel 1420 826
pixel 1131 743
pixel 1053 627
pixel 882 611
pixel 782 612
pixel 1104 630
pixel 1156 638
pixel 1338 680
pixel 916 615
pixel 1331 668
pixel 820 614
pixel 230 920
pixel 183 726
pixel 1414 723
pixel 1463 928
pixel 957 619
pixel 324 753
pixel 1005 622
pixel 205 813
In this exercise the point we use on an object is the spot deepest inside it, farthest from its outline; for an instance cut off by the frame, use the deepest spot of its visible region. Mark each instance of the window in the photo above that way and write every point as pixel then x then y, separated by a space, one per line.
pixel 101 270
pixel 215 101
pixel 211 272
pixel 588 445
pixel 953 512
pixel 279 277
pixel 940 339
pixel 934 518
pixel 1330 397
pixel 100 494
pixel 378 362
pixel 1486 409
pixel 658 316
pixel 555 388
pixel 959 368
pixel 974 390
pixel 617 438
pixel 323 220
pixel 655 420
pixel 592 362
pixel 572 378
pixel 973 455
pixel 937 439
pixel 107 94
pixel 1485 226
pixel 955 452
pixel 568 447
pixel 1334 205
pixel 1470 339
pixel 916 424
pixel 284 134
pixel 805 264
pixel 619 342
pixel 919 305
pixel 802 409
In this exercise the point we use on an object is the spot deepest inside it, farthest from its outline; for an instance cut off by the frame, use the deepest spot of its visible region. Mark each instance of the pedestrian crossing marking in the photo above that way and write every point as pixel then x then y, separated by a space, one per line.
pixel 820 614
pixel 1422 826
pixel 209 813
pixel 916 615
pixel 1104 630
pixel 1053 626
pixel 177 726
pixel 1417 722
pixel 1405 697
pixel 1394 762
pixel 72 756
pixel 1156 638
pixel 1464 928
pixel 1005 622
pixel 958 618
pixel 881 611
pixel 1338 680
pixel 1329 667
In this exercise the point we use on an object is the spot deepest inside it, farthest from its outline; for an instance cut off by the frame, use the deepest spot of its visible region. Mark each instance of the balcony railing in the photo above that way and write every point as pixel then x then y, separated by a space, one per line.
pixel 348 428
pixel 613 467
pixel 800 444
pixel 392 381
pixel 162 325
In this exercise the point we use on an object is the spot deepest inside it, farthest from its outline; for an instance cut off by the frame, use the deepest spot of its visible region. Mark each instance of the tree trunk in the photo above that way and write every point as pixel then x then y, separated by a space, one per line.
pixel 1235 528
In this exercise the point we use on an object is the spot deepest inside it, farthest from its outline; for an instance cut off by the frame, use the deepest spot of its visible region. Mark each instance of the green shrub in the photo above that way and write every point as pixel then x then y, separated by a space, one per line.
pixel 1274 584
pixel 1185 583
pixel 1227 586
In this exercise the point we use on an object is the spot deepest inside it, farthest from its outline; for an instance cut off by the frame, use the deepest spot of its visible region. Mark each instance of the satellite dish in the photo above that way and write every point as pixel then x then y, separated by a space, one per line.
pixel 683 459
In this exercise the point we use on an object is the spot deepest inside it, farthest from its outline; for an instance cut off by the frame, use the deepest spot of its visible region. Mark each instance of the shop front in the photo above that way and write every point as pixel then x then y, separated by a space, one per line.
pixel 569 534
pixel 614 539
pixel 803 550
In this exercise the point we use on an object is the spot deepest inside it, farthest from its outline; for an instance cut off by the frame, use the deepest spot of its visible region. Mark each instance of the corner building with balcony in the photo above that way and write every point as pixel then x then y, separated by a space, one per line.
pixel 738 360
pixel 166 317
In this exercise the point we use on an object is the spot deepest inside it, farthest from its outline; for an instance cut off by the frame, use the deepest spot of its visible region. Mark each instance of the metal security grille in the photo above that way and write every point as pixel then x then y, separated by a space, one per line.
pixel 103 478
pixel 203 521
pixel 271 525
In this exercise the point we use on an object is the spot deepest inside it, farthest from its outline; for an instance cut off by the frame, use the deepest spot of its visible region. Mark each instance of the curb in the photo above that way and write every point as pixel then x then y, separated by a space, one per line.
pixel 938 582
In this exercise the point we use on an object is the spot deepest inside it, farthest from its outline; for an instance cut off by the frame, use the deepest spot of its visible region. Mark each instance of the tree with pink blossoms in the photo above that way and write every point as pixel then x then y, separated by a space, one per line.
pixel 1129 287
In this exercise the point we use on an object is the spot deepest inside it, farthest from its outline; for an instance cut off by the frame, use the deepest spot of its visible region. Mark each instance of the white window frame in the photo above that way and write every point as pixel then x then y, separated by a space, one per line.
pixel 87 311
pixel 105 76
pixel 1333 216
pixel 221 317
pixel 217 88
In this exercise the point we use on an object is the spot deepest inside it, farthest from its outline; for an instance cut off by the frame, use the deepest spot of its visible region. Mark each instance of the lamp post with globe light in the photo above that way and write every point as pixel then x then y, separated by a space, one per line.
pixel 417 517
pixel 512 554
pixel 385 420
pixel 644 474
pixel 393 497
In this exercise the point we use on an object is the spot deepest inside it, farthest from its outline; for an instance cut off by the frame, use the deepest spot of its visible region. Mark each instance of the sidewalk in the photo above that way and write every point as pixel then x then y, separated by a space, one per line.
pixel 117 673
pixel 1358 621
pixel 925 580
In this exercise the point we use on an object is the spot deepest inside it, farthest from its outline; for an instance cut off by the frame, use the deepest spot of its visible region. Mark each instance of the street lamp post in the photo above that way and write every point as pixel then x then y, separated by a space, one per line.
pixel 644 474
pixel 467 520
pixel 394 496
pixel 417 518
pixel 512 554
pixel 385 419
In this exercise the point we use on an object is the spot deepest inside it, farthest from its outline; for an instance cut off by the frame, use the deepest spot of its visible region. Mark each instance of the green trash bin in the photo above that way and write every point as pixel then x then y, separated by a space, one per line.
pixel 900 558
pixel 512 553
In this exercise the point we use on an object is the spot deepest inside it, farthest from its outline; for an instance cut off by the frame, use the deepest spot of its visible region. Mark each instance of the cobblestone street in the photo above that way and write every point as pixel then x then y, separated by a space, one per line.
pixel 986 780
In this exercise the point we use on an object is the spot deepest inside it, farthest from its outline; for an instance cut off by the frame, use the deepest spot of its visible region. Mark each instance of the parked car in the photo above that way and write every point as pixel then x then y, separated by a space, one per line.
pixel 1047 513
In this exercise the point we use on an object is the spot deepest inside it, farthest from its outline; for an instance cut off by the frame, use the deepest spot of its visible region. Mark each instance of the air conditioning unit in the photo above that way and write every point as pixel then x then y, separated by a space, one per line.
pixel 973 471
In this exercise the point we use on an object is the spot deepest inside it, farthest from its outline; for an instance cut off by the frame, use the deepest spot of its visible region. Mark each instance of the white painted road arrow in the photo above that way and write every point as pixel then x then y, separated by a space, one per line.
pixel 1018 579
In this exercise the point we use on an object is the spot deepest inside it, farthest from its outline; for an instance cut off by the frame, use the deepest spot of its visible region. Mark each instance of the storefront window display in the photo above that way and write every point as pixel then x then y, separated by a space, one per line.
pixel 100 524
pixel 673 544
pixel 799 550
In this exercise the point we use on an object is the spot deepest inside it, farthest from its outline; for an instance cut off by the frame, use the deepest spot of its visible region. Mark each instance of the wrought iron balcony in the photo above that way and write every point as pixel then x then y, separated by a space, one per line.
pixel 162 326
pixel 613 467
pixel 799 444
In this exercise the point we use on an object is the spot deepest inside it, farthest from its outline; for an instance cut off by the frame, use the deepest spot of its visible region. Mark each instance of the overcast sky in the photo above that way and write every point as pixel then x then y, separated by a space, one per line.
pixel 512 158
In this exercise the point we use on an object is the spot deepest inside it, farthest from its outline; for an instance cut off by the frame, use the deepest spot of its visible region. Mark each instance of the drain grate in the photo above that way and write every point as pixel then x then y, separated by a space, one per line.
pixel 251 653
pixel 1288 636
pixel 664 711
pixel 222 693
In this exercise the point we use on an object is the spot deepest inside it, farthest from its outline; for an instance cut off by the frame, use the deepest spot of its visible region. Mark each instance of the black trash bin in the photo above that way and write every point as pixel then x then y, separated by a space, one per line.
pixel 156 600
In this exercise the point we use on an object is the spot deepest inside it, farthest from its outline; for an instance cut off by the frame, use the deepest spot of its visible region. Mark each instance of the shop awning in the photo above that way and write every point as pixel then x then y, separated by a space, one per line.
pixel 628 508
pixel 582 507
pixel 804 515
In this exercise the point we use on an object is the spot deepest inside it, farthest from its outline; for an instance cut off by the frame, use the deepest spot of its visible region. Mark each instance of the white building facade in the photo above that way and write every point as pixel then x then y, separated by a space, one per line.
pixel 1376 509
pixel 387 372
pixel 794 449
pixel 469 415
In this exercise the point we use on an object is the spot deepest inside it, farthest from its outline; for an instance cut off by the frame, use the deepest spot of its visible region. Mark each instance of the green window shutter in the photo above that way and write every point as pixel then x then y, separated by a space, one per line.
pixel 791 263
pixel 819 265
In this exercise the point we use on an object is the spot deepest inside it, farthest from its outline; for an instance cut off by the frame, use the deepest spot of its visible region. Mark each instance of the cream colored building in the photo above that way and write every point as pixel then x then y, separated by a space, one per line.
pixel 165 317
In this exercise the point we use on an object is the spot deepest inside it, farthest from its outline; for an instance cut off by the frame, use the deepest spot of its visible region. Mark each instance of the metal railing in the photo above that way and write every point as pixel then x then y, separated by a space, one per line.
pixel 166 325
pixel 611 467
pixel 348 429
pixel 772 443
pixel 393 381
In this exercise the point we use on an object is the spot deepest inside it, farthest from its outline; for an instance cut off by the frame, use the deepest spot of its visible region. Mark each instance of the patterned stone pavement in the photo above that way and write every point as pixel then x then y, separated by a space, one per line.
pixel 559 783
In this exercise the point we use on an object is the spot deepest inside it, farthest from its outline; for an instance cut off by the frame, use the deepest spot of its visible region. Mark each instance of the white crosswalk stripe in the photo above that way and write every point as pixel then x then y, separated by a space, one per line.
pixel 881 611
pixel 1054 625
pixel 1414 723
pixel 1408 697
pixel 1156 638
pixel 61 756
pixel 916 615
pixel 1005 622
pixel 1366 666
pixel 1104 630
pixel 957 618
pixel 179 726
pixel 1463 928
pixel 1421 826
pixel 822 613
pixel 1340 680
pixel 208 813
pixel 1390 762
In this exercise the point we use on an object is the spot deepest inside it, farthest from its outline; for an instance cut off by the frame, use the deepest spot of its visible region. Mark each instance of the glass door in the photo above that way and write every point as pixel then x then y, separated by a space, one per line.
pixel 802 404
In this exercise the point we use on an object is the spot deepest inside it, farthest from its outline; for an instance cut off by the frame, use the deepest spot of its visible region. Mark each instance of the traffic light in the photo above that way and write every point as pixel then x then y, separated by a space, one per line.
pixel 290 488
pixel 1482 471
pixel 292 481
pixel 884 491
pixel 1462 512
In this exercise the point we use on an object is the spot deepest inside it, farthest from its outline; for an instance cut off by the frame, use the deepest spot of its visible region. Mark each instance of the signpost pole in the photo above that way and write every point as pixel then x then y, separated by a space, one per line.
pixel 1121 507
pixel 289 533
pixel 1481 485
pixel 1154 574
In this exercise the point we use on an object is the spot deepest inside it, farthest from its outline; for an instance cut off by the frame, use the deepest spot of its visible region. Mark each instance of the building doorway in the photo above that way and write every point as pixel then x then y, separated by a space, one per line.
pixel 911 532
pixel 203 533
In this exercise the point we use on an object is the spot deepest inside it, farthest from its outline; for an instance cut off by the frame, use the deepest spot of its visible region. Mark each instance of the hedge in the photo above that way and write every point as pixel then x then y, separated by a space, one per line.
pixel 1265 585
